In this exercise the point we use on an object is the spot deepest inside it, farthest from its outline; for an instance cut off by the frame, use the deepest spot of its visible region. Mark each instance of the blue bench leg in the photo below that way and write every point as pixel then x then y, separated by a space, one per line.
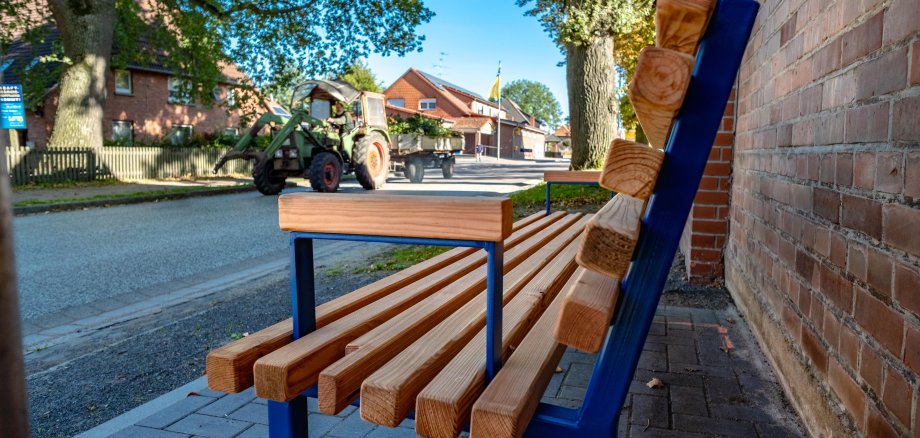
pixel 494 293
pixel 548 185
pixel 289 420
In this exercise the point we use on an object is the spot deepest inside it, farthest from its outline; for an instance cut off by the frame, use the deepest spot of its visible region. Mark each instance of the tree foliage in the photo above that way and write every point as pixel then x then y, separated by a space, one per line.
pixel 626 48
pixel 360 76
pixel 535 99
pixel 580 22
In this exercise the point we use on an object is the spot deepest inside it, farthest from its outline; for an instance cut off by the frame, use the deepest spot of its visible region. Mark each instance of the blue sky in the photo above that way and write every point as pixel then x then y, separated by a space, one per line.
pixel 475 35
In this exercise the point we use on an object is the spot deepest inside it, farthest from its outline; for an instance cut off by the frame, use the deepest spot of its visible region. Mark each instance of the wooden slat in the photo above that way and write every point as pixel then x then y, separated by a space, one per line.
pixel 611 236
pixel 681 23
pixel 229 368
pixel 389 394
pixel 571 175
pixel 339 384
pixel 657 90
pixel 443 407
pixel 587 311
pixel 290 370
pixel 505 408
pixel 631 168
pixel 437 217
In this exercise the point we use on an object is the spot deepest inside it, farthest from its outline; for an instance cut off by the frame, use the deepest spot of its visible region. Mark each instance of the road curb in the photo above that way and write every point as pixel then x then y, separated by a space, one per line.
pixel 68 206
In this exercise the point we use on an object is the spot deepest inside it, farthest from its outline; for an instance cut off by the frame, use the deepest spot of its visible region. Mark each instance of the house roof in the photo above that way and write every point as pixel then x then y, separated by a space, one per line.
pixel 411 112
pixel 563 131
pixel 514 111
pixel 442 84
pixel 463 108
pixel 472 123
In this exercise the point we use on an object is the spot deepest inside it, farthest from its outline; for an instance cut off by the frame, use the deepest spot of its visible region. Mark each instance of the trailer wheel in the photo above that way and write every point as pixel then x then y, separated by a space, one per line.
pixel 415 169
pixel 325 172
pixel 371 158
pixel 265 183
pixel 447 168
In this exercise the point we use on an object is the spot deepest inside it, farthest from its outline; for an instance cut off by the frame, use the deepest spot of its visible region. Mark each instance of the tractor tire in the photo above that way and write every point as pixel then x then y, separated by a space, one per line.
pixel 265 183
pixel 371 159
pixel 415 169
pixel 325 172
pixel 447 168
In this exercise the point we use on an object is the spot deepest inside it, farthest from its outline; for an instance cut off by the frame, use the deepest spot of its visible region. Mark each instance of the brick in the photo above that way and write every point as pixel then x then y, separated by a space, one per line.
pixel 880 321
pixel 804 265
pixel 792 323
pixel 867 123
pixel 856 260
pixel 837 289
pixel 844 170
pixel 871 369
pixel 900 228
pixel 897 396
pixel 864 170
pixel 888 176
pixel 862 40
pixel 848 391
pixel 829 128
pixel 826 60
pixel 878 273
pixel 907 287
pixel 901 19
pixel 912 349
pixel 827 204
pixel 838 250
pixel 904 126
pixel 827 169
pixel 883 75
pixel 912 175
pixel 861 214
pixel 878 426
pixel 915 67
pixel 814 350
pixel 848 345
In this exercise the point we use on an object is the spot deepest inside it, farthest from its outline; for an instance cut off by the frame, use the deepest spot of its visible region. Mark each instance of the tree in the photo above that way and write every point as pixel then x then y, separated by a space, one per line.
pixel 270 40
pixel 584 30
pixel 627 46
pixel 360 76
pixel 535 99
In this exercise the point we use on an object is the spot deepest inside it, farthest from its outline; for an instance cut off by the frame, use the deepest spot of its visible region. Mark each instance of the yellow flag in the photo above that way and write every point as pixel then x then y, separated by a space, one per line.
pixel 496 91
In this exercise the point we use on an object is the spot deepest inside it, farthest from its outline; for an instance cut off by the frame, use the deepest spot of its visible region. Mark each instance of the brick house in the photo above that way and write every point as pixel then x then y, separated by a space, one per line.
pixel 143 103
pixel 809 209
pixel 474 115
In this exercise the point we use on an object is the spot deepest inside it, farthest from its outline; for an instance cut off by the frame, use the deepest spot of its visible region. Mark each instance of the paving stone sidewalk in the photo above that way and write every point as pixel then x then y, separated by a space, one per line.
pixel 717 382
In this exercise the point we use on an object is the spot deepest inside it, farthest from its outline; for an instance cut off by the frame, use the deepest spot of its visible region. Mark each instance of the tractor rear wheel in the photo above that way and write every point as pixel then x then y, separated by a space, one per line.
pixel 325 172
pixel 415 169
pixel 371 158
pixel 447 168
pixel 265 183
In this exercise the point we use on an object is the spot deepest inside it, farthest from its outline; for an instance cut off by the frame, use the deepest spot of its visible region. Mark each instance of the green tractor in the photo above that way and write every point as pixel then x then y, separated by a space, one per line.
pixel 304 144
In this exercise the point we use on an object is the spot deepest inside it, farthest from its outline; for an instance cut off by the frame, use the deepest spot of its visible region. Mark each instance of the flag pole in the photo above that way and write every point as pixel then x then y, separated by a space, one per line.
pixel 498 150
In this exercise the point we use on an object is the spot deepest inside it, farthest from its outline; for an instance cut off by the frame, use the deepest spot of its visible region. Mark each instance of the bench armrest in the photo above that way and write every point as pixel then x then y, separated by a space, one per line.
pixel 431 217
pixel 572 176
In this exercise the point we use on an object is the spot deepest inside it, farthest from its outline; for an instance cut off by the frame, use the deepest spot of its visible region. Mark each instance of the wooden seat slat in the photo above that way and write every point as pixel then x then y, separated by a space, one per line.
pixel 443 406
pixel 375 214
pixel 340 383
pixel 570 176
pixel 229 368
pixel 505 408
pixel 587 311
pixel 290 370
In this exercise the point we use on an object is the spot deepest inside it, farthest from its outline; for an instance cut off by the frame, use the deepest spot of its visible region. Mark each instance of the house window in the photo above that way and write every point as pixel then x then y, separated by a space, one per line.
pixel 231 132
pixel 397 102
pixel 180 135
pixel 123 132
pixel 179 91
pixel 123 82
pixel 231 97
pixel 427 104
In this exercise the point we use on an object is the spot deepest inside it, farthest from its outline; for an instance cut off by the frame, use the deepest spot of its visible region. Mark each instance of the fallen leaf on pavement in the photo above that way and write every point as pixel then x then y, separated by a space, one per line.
pixel 655 383
pixel 558 369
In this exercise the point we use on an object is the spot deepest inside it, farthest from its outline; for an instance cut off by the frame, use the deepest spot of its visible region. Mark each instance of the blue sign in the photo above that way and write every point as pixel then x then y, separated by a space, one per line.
pixel 12 112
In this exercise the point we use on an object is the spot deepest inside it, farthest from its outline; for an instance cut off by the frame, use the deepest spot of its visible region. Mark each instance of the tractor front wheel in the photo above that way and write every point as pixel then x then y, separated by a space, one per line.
pixel 265 183
pixel 325 172
pixel 371 158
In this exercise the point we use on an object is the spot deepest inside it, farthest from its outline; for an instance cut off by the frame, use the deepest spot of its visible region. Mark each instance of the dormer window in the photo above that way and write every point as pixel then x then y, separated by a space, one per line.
pixel 427 104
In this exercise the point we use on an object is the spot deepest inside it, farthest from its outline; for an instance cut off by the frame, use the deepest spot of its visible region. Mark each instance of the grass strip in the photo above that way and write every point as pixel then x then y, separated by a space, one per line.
pixel 115 196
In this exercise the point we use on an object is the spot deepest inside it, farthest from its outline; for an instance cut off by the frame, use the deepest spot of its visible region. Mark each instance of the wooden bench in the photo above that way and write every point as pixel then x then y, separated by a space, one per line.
pixel 468 339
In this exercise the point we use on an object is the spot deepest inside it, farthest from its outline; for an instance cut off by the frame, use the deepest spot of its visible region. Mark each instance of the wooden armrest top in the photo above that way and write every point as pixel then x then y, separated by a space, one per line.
pixel 557 176
pixel 434 217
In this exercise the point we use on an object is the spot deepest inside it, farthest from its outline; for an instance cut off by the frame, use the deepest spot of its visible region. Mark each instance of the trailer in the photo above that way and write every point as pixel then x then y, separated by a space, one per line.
pixel 411 154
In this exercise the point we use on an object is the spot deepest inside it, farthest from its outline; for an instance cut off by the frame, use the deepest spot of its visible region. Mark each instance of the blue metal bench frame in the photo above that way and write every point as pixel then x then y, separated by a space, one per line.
pixel 686 153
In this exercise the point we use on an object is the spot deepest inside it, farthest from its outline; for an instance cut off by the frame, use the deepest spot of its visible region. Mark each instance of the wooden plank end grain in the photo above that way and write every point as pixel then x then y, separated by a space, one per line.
pixel 610 236
pixel 680 24
pixel 657 90
pixel 436 217
pixel 631 168
pixel 587 311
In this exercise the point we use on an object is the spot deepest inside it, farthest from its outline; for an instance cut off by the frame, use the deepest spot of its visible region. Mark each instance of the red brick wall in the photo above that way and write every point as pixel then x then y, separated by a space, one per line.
pixel 707 227
pixel 824 242
pixel 413 88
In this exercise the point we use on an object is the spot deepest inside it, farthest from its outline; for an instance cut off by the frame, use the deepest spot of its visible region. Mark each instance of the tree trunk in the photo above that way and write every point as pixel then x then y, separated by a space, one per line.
pixel 86 28
pixel 592 101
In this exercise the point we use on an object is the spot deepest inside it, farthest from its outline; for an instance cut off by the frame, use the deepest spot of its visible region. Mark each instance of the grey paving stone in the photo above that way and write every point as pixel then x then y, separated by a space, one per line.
pixel 653 360
pixel 678 324
pixel 572 393
pixel 649 410
pixel 688 400
pixel 654 346
pixel 227 404
pixel 683 354
pixel 208 392
pixel 555 382
pixel 669 378
pixel 565 403
pixel 670 340
pixel 734 412
pixel 701 369
pixel 654 432
pixel 251 412
pixel 387 432
pixel 578 374
pixel 637 387
pixel 319 425
pixel 725 391
pixel 61 330
pixel 208 426
pixel 351 426
pixel 256 431
pixel 408 423
pixel 658 329
pixel 347 411
pixel 776 431
pixel 175 412
pixel 713 426
pixel 35 340
pixel 145 432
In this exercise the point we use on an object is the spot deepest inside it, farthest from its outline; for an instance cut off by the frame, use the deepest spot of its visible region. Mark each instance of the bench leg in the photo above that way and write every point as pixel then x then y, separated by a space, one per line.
pixel 287 420
pixel 494 293
pixel 548 185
